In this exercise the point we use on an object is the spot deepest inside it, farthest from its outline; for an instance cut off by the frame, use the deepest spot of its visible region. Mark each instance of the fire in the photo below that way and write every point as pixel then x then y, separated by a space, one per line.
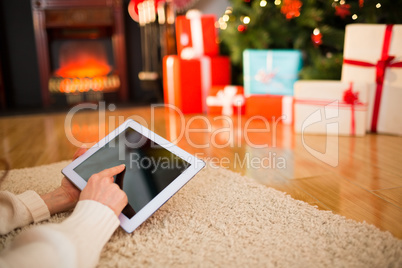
pixel 82 59
pixel 84 68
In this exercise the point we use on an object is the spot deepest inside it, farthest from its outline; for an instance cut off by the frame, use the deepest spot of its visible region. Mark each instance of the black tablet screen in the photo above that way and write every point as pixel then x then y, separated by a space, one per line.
pixel 149 167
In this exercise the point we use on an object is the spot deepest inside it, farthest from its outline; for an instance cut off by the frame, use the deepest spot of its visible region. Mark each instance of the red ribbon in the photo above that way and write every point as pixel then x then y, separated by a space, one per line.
pixel 382 64
pixel 350 100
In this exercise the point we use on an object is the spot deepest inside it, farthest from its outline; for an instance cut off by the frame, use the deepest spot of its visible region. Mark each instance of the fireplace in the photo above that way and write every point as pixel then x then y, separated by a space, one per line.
pixel 81 50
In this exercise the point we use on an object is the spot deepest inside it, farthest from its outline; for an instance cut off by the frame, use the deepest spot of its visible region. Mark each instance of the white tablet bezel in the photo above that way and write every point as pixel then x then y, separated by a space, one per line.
pixel 129 225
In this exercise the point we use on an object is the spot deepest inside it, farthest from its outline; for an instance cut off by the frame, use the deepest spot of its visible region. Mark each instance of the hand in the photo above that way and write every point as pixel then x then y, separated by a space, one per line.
pixel 66 196
pixel 101 188
pixel 80 151
pixel 71 192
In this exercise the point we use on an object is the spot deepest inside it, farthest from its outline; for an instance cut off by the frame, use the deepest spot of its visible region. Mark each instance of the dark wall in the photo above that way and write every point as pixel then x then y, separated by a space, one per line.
pixel 18 54
pixel 19 60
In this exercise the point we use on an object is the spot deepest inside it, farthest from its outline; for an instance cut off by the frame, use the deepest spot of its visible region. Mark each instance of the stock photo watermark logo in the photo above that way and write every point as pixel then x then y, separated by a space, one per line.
pixel 228 125
pixel 325 117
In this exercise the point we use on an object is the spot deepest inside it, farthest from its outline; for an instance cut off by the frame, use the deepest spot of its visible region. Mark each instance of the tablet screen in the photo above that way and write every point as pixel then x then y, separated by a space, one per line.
pixel 149 167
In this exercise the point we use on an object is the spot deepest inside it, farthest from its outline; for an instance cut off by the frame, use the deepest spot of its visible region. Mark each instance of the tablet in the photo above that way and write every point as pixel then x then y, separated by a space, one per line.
pixel 155 169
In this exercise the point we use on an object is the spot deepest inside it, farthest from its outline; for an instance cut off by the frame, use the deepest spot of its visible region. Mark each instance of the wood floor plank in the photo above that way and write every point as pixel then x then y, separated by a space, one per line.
pixel 365 185
pixel 393 195
pixel 353 202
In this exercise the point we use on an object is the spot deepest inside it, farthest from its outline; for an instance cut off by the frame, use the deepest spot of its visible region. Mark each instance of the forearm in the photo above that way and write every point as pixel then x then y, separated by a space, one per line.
pixel 19 210
pixel 58 201
pixel 76 242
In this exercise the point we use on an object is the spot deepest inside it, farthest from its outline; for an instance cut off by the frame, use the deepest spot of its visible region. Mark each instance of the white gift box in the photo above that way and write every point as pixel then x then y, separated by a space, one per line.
pixel 373 54
pixel 330 107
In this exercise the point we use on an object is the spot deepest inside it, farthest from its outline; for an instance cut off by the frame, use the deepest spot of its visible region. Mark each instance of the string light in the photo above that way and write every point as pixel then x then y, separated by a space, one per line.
pixel 221 23
pixel 378 5
pixel 277 2
pixel 263 3
pixel 354 17
pixel 225 17
pixel 246 20
pixel 316 31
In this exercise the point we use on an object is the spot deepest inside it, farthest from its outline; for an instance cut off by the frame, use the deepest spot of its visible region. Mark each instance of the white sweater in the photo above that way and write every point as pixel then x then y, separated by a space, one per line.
pixel 76 242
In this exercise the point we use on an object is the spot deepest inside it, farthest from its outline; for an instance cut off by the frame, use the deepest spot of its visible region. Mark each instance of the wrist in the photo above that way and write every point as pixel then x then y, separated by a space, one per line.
pixel 58 201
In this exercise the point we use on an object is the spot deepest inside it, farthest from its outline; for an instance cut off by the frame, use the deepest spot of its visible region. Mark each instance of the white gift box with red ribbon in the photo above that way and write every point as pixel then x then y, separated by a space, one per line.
pixel 373 55
pixel 330 107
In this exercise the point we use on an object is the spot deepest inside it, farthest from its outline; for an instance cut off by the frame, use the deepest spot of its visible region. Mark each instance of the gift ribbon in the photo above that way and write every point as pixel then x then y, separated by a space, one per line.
pixel 382 64
pixel 171 94
pixel 206 80
pixel 350 100
pixel 197 40
pixel 227 98
pixel 266 77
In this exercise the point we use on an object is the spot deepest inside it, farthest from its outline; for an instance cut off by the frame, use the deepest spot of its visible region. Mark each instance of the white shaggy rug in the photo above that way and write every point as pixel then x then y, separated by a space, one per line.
pixel 221 219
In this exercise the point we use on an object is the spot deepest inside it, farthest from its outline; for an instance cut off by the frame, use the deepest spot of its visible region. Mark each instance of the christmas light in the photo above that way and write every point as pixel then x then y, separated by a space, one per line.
pixel 354 17
pixel 378 5
pixel 221 24
pixel 277 2
pixel 225 17
pixel 241 28
pixel 246 20
pixel 263 3
pixel 316 31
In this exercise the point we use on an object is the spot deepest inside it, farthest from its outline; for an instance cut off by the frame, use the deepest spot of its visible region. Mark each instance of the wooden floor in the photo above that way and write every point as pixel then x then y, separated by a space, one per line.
pixel 365 185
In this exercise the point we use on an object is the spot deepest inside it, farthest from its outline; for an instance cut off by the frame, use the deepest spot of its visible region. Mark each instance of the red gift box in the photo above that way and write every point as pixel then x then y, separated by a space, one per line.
pixel 270 107
pixel 226 100
pixel 196 35
pixel 186 82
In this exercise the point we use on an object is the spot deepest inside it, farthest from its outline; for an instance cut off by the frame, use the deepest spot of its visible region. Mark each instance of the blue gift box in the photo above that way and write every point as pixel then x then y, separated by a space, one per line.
pixel 270 71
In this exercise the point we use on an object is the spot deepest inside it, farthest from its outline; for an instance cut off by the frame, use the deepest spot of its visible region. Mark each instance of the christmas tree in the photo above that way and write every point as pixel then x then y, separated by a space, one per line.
pixel 316 27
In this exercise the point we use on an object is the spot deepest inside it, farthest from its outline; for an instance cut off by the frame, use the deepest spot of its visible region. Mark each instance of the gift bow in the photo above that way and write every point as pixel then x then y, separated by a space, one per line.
pixel 382 64
pixel 265 76
pixel 227 98
pixel 351 98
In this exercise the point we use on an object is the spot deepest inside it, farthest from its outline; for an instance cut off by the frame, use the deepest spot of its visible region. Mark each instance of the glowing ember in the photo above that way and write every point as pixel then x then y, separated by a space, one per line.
pixel 73 85
pixel 83 59
pixel 84 68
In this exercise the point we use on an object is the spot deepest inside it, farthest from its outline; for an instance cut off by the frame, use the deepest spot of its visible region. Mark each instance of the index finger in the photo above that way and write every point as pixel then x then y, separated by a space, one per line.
pixel 110 172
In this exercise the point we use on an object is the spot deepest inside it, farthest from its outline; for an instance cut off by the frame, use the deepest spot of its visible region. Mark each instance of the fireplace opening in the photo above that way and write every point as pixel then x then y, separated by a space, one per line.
pixel 83 66
pixel 82 59
pixel 81 50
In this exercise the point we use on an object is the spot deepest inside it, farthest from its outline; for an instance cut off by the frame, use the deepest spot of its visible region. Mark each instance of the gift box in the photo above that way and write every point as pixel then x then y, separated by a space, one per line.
pixel 270 72
pixel 226 100
pixel 271 107
pixel 196 35
pixel 330 107
pixel 186 83
pixel 373 54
